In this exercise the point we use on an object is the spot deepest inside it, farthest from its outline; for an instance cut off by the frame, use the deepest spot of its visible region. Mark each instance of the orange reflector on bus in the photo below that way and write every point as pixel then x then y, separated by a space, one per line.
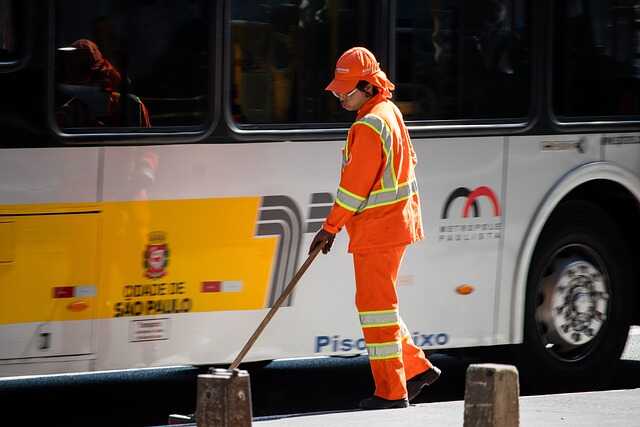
pixel 78 306
pixel 465 289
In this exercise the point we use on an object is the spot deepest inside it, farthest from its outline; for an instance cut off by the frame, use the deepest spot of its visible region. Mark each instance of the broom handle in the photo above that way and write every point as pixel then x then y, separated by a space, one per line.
pixel 275 307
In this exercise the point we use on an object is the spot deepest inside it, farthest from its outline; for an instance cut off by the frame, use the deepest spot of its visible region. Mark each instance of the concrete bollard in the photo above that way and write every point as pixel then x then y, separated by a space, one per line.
pixel 491 396
pixel 224 399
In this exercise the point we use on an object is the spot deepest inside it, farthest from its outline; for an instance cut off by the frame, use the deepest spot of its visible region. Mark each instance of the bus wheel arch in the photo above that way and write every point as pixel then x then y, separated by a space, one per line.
pixel 584 182
pixel 577 302
pixel 623 207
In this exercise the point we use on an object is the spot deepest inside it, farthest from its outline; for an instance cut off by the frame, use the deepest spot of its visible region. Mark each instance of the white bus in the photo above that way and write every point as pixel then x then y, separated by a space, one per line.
pixel 164 166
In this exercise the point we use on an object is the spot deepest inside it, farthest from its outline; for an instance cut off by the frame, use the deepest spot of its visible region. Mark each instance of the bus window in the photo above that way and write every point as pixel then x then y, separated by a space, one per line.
pixel 459 59
pixel 284 53
pixel 133 64
pixel 8 30
pixel 597 58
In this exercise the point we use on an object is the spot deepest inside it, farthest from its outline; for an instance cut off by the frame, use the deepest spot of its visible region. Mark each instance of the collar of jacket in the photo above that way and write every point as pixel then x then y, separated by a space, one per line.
pixel 368 106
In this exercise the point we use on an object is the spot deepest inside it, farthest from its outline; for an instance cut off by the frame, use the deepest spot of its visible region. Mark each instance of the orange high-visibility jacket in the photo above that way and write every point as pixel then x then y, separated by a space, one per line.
pixel 378 197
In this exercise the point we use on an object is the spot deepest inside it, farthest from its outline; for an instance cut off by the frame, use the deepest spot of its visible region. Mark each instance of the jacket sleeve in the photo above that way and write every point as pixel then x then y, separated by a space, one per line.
pixel 363 166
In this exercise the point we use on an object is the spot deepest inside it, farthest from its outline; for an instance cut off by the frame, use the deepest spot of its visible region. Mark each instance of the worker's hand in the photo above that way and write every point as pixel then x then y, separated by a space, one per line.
pixel 323 237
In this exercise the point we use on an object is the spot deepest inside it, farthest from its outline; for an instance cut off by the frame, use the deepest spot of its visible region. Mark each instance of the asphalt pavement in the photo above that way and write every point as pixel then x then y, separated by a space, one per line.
pixel 617 408
pixel 586 409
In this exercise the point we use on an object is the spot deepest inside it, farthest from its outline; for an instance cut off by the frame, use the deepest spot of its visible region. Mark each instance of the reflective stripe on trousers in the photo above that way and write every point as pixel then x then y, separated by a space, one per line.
pixel 372 319
pixel 385 350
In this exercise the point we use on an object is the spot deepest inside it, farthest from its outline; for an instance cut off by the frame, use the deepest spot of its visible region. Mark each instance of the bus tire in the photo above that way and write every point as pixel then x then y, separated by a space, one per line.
pixel 577 311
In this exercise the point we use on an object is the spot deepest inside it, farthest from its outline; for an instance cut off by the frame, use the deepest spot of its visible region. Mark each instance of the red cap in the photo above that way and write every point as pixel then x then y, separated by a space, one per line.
pixel 358 64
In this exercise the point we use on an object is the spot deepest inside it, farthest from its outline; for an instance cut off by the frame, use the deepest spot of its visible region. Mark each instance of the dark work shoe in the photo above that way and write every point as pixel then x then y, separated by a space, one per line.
pixel 376 402
pixel 417 383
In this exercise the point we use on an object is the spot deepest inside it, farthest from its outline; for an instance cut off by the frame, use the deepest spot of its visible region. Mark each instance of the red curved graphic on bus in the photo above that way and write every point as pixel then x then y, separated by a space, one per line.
pixel 479 192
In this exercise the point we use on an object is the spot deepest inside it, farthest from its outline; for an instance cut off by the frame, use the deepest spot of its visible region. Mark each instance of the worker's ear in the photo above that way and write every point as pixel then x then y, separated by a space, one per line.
pixel 368 90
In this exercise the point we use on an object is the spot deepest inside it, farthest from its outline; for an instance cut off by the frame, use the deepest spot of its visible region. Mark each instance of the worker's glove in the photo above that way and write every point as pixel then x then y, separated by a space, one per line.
pixel 323 237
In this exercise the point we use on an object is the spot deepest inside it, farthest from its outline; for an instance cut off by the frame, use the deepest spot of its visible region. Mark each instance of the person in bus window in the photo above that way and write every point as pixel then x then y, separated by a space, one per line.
pixel 88 91
pixel 7 29
pixel 378 202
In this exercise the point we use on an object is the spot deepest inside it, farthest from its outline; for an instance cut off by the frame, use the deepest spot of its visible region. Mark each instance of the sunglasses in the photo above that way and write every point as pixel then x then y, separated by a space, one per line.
pixel 344 95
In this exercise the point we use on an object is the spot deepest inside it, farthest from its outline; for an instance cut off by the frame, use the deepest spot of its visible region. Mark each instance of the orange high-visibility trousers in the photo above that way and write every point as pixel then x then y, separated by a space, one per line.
pixel 393 356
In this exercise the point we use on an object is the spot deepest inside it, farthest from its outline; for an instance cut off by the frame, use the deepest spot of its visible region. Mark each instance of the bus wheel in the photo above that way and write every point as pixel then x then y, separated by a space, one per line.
pixel 576 313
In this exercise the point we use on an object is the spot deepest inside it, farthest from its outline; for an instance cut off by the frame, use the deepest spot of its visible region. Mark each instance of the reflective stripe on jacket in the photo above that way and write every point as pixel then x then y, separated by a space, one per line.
pixel 377 199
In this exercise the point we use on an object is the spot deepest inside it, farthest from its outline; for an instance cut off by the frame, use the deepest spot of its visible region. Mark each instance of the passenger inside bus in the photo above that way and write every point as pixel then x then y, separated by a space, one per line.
pixel 7 29
pixel 88 90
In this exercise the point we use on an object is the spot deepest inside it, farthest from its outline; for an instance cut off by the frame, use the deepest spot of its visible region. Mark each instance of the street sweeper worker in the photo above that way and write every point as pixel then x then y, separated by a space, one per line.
pixel 378 202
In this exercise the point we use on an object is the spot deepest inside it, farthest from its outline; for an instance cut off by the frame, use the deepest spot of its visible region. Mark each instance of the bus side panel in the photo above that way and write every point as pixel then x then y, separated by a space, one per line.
pixel 623 150
pixel 48 175
pixel 194 206
pixel 460 185
pixel 49 225
pixel 535 164
pixel 48 291
pixel 231 235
